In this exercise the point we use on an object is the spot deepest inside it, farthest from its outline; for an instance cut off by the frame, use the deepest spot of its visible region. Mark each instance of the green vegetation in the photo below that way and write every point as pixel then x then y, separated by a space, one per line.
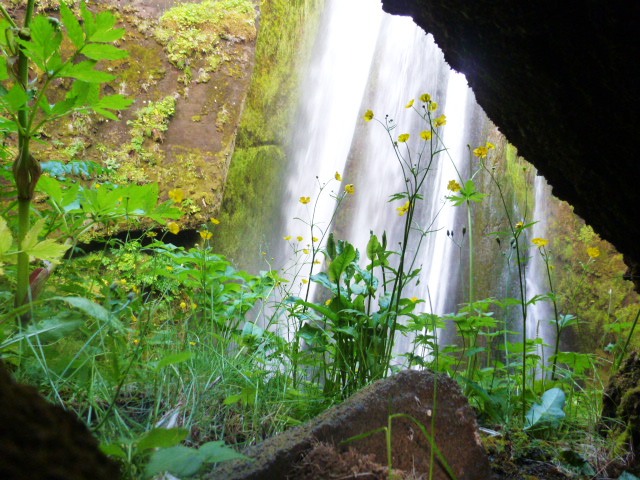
pixel 190 30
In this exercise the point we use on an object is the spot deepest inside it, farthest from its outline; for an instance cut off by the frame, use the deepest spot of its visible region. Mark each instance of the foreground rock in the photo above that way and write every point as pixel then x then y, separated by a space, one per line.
pixel 41 441
pixel 409 392
pixel 621 416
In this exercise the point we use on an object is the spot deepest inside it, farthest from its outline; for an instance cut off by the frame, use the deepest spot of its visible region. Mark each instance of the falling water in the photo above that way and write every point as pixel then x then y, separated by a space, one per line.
pixel 540 313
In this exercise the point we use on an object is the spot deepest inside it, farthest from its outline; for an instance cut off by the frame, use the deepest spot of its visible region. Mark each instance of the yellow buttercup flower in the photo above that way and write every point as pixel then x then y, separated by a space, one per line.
pixel 481 152
pixel 410 104
pixel 454 186
pixel 519 225
pixel 338 177
pixel 183 305
pixel 305 251
pixel 205 234
pixel 490 145
pixel 173 227
pixel 433 106
pixel 314 239
pixel 368 115
pixel 305 200
pixel 425 97
pixel 440 121
pixel 299 238
pixel 287 238
pixel 350 189
pixel 593 252
pixel 403 137
pixel 305 281
pixel 540 242
pixel 177 195
pixel 404 208
pixel 426 135
pixel 414 299
pixel 215 221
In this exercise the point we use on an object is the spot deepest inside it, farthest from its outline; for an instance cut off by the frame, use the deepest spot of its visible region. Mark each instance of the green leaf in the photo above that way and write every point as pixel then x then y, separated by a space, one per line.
pixel 97 51
pixel 174 359
pixel 74 30
pixel 87 306
pixel 86 72
pixel 114 102
pixel 6 239
pixel 15 98
pixel 113 450
pixel 4 73
pixel 89 20
pixel 161 438
pixel 549 414
pixel 47 249
pixel 219 452
pixel 180 461
pixel 104 32
pixel 341 262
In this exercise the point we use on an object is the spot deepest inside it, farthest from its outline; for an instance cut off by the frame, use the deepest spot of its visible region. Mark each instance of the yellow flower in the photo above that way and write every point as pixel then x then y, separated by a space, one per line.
pixel 305 251
pixel 426 135
pixel 350 189
pixel 338 177
pixel 314 239
pixel 593 252
pixel 404 208
pixel 305 281
pixel 440 121
pixel 490 145
pixel 454 186
pixel 403 137
pixel 299 238
pixel 169 268
pixel 136 341
pixel 287 238
pixel 540 242
pixel 183 305
pixel 368 115
pixel 194 306
pixel 433 106
pixel 410 104
pixel 481 152
pixel 317 262
pixel 177 195
pixel 215 221
pixel 205 234
pixel 328 302
pixel 173 227
pixel 414 299
pixel 519 225
pixel 305 200
pixel 123 281
pixel 193 344
pixel 425 97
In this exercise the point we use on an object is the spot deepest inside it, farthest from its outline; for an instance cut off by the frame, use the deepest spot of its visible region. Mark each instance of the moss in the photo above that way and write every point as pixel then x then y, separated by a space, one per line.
pixel 191 30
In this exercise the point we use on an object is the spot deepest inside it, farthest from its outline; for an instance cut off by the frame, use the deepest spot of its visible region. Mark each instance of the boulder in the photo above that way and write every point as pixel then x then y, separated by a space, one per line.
pixel 427 397
pixel 42 441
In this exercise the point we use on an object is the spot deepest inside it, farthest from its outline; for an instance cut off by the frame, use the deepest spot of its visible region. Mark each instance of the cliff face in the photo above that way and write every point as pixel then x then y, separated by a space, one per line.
pixel 559 82
pixel 189 69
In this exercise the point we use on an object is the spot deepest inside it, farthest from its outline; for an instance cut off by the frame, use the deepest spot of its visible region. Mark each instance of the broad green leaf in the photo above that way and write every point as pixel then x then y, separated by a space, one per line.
pixel 31 237
pixel 6 239
pixel 105 113
pixel 89 20
pixel 161 438
pixel 86 72
pixel 98 51
pixel 113 450
pixel 219 452
pixel 4 73
pixel 87 306
pixel 180 461
pixel 550 413
pixel 341 262
pixel 174 359
pixel 114 102
pixel 104 32
pixel 15 98
pixel 47 249
pixel 74 30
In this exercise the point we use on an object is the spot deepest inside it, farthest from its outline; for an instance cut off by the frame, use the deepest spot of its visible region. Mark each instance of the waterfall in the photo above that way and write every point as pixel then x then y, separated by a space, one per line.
pixel 540 313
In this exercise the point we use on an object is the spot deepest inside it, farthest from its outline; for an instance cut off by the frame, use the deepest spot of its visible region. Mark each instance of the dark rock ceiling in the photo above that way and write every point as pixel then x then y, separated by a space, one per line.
pixel 560 80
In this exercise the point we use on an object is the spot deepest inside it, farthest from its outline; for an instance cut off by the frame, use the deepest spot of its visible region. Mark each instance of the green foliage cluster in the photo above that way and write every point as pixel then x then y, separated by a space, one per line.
pixel 190 30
